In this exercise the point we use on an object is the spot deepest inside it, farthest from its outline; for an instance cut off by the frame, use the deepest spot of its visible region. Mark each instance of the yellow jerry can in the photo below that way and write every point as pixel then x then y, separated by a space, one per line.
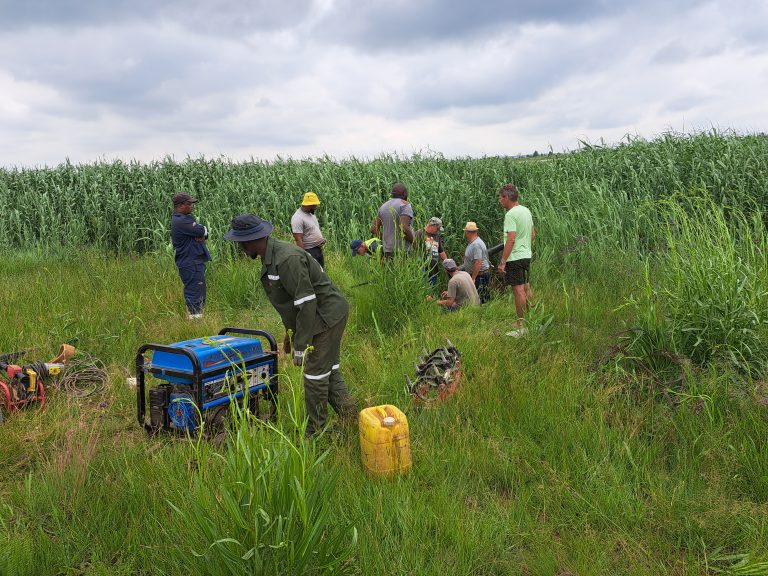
pixel 385 444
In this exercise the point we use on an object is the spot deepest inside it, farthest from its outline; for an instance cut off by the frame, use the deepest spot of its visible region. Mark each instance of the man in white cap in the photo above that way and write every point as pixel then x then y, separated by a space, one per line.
pixel 476 262
pixel 310 306
pixel 429 240
pixel 461 290
pixel 306 228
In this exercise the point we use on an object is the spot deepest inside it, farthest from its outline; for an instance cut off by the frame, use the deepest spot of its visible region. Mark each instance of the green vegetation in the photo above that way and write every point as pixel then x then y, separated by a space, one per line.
pixel 629 435
pixel 600 194
pixel 707 296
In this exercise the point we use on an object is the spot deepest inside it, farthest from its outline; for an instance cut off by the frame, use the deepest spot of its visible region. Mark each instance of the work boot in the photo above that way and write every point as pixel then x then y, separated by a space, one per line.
pixel 519 333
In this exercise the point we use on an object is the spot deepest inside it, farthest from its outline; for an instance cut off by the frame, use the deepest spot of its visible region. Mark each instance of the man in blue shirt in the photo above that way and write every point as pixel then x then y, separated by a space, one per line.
pixel 188 239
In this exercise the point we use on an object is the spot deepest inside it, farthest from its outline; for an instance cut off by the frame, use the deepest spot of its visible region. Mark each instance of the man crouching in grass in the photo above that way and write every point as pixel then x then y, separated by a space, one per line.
pixel 461 289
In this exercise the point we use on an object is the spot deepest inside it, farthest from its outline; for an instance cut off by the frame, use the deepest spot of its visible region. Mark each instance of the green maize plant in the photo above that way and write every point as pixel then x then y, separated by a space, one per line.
pixel 599 195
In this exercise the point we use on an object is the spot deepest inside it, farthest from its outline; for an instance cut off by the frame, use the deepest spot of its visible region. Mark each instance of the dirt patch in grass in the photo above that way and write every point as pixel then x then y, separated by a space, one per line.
pixel 761 393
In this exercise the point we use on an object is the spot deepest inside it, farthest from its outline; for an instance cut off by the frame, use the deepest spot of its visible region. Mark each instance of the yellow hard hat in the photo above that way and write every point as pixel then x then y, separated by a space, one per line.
pixel 310 199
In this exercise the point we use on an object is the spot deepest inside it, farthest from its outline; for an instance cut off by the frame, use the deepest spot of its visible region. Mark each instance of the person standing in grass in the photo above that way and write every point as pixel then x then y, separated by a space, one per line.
pixel 393 222
pixel 429 240
pixel 188 238
pixel 306 228
pixel 310 306
pixel 461 290
pixel 476 262
pixel 516 257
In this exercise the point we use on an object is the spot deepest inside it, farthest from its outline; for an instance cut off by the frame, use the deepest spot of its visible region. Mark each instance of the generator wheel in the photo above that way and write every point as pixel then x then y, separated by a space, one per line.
pixel 217 423
pixel 262 406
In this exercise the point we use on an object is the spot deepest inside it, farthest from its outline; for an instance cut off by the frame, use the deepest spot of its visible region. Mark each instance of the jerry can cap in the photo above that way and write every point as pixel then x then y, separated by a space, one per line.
pixel 389 421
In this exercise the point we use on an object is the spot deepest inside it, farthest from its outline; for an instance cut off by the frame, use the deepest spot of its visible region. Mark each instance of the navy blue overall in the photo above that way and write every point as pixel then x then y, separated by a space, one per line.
pixel 191 256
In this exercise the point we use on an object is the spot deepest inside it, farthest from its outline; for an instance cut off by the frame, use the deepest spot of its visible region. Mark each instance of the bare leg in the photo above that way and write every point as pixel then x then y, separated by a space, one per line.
pixel 520 303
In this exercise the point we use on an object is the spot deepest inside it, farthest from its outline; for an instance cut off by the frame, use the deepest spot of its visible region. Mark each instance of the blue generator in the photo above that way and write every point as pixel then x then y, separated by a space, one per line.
pixel 196 380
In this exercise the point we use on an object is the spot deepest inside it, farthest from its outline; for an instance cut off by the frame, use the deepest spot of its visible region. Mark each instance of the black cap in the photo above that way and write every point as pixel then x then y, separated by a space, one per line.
pixel 183 198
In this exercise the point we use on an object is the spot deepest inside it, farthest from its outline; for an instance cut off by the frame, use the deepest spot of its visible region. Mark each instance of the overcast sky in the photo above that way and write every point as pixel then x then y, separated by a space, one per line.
pixel 96 79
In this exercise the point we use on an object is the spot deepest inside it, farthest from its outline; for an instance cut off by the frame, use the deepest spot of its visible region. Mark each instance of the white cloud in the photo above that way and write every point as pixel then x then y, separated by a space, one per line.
pixel 289 83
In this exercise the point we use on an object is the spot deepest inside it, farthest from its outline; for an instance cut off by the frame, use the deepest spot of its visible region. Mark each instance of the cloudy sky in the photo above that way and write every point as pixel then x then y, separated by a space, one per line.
pixel 97 79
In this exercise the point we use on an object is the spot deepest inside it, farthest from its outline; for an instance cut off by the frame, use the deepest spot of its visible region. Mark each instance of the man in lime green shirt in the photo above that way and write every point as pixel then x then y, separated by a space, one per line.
pixel 516 258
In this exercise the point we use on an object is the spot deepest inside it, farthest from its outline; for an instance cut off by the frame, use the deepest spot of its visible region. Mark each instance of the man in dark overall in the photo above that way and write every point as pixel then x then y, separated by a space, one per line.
pixel 309 305
pixel 188 238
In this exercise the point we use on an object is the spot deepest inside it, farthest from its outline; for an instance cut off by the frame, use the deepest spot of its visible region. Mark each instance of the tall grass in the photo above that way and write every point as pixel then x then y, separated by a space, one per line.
pixel 263 506
pixel 391 294
pixel 706 296
pixel 537 464
pixel 597 195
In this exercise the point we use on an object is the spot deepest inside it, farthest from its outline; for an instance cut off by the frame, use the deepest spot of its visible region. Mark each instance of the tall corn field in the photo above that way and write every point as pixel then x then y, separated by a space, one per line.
pixel 602 197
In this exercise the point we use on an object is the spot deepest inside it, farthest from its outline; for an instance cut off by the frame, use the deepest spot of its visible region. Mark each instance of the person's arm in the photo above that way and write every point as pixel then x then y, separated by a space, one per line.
pixel 297 228
pixel 476 270
pixel 405 224
pixel 449 296
pixel 406 217
pixel 441 249
pixel 376 227
pixel 508 245
pixel 294 277
pixel 189 227
pixel 533 234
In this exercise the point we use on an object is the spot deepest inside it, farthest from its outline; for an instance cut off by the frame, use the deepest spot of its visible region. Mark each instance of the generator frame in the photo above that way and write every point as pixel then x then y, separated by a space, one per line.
pixel 197 386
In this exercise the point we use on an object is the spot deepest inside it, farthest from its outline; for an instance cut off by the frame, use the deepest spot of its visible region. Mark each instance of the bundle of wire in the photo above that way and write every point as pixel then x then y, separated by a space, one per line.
pixel 83 376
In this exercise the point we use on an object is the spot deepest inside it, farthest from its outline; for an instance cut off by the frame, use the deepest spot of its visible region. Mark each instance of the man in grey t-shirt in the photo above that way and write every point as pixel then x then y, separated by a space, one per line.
pixel 306 228
pixel 476 262
pixel 393 222
pixel 461 290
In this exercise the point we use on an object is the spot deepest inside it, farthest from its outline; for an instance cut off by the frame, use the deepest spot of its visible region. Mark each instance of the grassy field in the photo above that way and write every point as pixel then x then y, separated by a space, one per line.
pixel 627 435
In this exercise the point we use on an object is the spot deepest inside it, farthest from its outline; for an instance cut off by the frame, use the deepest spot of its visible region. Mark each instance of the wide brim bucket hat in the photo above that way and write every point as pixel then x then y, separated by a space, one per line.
pixel 246 227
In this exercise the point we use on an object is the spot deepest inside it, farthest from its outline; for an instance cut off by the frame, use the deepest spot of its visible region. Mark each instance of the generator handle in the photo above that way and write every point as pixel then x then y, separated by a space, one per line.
pixel 251 332
pixel 140 368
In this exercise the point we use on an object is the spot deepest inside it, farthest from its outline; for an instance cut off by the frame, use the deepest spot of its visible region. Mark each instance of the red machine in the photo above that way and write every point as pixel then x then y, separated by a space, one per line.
pixel 21 386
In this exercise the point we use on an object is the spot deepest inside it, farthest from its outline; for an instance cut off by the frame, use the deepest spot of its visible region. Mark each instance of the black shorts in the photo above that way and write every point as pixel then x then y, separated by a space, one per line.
pixel 517 272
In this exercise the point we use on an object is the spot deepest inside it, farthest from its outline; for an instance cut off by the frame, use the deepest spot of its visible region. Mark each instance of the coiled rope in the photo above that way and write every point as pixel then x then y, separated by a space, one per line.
pixel 83 376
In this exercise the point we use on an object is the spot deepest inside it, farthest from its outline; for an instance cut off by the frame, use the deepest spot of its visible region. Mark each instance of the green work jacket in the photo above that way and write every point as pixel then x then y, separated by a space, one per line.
pixel 300 291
